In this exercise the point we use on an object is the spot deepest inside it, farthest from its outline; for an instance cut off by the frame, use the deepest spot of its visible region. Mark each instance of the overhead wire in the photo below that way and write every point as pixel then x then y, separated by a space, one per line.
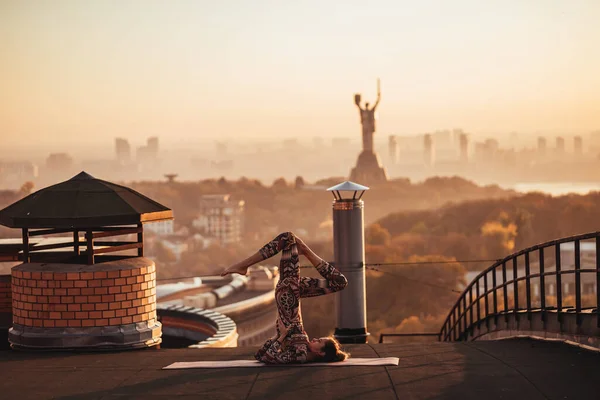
pixel 371 266
pixel 431 262
pixel 414 280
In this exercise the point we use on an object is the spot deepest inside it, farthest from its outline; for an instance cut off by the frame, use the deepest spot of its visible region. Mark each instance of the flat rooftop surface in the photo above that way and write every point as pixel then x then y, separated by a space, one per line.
pixel 508 369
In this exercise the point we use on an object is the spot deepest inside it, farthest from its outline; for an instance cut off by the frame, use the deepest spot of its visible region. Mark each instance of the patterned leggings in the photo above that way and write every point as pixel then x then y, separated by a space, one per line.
pixel 291 287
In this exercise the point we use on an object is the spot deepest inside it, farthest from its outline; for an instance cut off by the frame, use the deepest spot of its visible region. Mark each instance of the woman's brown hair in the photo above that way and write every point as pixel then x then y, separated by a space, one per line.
pixel 333 351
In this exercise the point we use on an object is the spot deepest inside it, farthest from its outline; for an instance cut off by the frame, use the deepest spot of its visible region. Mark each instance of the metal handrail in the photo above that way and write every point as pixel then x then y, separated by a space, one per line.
pixel 456 325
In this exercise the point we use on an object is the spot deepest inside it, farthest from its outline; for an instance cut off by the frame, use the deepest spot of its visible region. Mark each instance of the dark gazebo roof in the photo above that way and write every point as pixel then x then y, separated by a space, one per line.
pixel 83 202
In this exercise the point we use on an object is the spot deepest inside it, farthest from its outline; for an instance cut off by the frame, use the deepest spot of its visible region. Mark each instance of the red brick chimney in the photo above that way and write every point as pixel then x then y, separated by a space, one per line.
pixel 78 295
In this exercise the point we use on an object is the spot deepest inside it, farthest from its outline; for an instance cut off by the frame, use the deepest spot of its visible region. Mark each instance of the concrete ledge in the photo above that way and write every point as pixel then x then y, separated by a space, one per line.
pixel 130 336
pixel 539 324
pixel 552 339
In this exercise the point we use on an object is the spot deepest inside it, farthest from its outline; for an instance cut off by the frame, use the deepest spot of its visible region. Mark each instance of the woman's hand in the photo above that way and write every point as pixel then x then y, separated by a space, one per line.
pixel 302 247
pixel 304 250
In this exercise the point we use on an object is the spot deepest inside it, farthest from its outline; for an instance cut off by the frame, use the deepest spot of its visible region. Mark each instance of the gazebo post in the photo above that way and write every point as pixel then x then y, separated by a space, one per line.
pixel 76 242
pixel 25 232
pixel 90 246
pixel 140 239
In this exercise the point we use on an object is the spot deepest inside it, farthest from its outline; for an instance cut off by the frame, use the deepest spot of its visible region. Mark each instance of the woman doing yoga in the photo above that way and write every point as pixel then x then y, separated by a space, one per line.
pixel 291 344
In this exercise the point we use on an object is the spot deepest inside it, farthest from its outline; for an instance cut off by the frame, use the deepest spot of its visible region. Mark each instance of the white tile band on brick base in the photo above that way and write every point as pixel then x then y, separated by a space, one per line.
pixel 73 306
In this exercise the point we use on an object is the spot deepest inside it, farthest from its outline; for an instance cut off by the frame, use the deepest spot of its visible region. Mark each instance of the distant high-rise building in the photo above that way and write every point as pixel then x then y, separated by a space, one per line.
pixel 393 148
pixel 428 150
pixel 560 145
pixel 148 154
pixel 59 162
pixel 488 151
pixel 290 143
pixel 492 146
pixel 152 144
pixel 446 145
pixel 122 150
pixel 578 145
pixel 464 147
pixel 480 152
pixel 17 171
pixel 542 146
pixel 594 139
pixel 318 142
pixel 221 218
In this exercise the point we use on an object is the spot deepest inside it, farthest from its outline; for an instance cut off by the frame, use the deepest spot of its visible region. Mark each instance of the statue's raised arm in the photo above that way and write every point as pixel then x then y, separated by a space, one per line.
pixel 357 99
pixel 378 94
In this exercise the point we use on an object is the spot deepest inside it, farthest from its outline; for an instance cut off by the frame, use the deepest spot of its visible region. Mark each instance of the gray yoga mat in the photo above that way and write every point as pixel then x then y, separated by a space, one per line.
pixel 363 362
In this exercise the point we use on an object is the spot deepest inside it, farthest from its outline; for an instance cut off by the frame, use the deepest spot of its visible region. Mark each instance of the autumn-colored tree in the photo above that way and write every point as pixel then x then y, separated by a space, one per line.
pixel 163 254
pixel 376 235
pixel 280 183
pixel 299 183
pixel 26 189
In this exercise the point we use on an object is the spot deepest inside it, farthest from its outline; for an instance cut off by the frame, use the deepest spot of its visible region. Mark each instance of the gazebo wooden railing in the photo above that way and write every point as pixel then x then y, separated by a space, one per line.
pixel 82 204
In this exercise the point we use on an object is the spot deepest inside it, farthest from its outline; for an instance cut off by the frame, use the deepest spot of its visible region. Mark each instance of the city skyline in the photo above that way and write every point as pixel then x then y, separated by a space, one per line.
pixel 86 72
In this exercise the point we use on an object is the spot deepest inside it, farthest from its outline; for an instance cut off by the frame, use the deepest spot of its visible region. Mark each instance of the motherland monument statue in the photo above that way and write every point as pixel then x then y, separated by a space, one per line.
pixel 368 168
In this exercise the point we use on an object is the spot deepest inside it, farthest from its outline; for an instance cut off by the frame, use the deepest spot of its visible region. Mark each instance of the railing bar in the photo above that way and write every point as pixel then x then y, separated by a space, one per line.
pixel 459 315
pixel 464 331
pixel 471 311
pixel 528 286
pixel 486 301
pixel 454 311
pixel 451 325
pixel 515 290
pixel 119 232
pixel 598 282
pixel 558 282
pixel 52 246
pixel 578 282
pixel 113 249
pixel 52 231
pixel 542 286
pixel 505 290
pixel 495 299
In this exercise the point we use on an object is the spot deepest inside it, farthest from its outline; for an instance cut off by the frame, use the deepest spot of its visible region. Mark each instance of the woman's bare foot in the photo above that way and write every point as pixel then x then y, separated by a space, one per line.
pixel 235 269
pixel 242 266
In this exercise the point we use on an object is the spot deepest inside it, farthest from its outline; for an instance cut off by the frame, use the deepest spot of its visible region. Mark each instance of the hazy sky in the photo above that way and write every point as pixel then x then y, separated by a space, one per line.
pixel 86 70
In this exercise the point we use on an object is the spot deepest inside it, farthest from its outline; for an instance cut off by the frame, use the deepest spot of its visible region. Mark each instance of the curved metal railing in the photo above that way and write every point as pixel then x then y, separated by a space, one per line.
pixel 469 312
